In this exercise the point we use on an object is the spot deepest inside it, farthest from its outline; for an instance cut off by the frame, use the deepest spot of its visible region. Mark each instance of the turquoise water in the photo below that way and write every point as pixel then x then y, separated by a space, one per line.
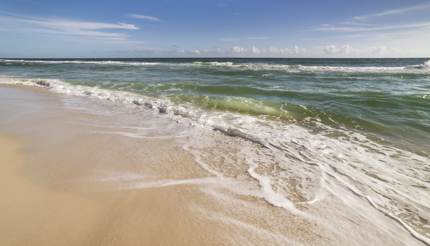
pixel 387 99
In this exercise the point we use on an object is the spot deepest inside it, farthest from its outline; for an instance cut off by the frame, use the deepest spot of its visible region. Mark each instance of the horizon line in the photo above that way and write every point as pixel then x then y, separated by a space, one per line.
pixel 15 58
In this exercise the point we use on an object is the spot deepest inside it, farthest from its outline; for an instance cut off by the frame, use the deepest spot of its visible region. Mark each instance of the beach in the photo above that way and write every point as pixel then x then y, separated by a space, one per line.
pixel 117 164
pixel 214 123
pixel 64 188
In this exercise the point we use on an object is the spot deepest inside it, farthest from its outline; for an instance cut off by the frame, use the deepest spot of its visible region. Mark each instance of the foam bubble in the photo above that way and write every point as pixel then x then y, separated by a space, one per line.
pixel 297 165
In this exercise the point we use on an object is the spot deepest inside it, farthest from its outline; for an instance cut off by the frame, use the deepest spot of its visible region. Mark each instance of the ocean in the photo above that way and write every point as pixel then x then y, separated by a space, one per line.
pixel 333 125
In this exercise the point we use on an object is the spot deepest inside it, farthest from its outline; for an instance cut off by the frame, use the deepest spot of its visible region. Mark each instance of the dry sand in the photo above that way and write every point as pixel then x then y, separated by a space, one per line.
pixel 69 176
pixel 64 184
pixel 37 215
pixel 50 195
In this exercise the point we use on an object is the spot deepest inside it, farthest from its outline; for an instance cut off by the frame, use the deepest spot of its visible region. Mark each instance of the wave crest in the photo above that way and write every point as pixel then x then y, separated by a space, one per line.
pixel 423 68
pixel 331 162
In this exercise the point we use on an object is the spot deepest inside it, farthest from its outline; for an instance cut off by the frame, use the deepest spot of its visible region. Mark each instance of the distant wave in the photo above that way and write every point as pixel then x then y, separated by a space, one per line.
pixel 288 68
pixel 425 65
pixel 421 68
pixel 107 62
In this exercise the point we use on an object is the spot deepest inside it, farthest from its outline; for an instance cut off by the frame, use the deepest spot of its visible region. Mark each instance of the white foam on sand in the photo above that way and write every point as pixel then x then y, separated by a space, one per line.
pixel 393 181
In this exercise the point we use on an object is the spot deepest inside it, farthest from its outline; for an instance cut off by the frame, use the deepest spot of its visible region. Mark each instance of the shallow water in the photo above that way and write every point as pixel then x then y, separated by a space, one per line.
pixel 354 129
pixel 388 98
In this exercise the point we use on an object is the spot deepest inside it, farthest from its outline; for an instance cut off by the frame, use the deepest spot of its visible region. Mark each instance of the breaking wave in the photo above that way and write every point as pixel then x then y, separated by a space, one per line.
pixel 243 66
pixel 294 158
pixel 104 62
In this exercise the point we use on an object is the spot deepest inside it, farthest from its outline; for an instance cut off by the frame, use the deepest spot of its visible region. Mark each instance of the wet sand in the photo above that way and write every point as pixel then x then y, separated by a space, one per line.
pixel 74 176
pixel 52 195
pixel 65 185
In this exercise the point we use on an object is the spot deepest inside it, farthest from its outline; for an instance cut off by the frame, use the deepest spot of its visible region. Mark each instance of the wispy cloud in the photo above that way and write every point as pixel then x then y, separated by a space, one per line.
pixel 235 39
pixel 356 24
pixel 144 17
pixel 370 36
pixel 397 11
pixel 68 27
pixel 374 28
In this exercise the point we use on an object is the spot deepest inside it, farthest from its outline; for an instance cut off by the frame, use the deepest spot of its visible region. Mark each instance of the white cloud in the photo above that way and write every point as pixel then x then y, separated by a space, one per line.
pixel 399 37
pixel 397 11
pixel 330 49
pixel 196 51
pixel 296 50
pixel 379 50
pixel 347 50
pixel 236 39
pixel 144 17
pixel 255 50
pixel 337 50
pixel 234 51
pixel 77 25
pixel 67 27
pixel 373 28
pixel 238 50
pixel 271 51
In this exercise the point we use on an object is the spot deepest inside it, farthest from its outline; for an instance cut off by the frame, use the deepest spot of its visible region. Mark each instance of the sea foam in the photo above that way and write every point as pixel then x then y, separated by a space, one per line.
pixel 257 66
pixel 386 177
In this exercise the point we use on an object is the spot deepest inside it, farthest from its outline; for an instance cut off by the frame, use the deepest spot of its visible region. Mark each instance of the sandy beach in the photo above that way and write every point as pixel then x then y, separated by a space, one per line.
pixel 65 186
pixel 50 199
pixel 45 215
pixel 214 123
pixel 81 172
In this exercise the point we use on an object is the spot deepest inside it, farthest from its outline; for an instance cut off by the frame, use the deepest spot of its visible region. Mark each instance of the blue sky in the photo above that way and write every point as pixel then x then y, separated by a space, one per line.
pixel 218 28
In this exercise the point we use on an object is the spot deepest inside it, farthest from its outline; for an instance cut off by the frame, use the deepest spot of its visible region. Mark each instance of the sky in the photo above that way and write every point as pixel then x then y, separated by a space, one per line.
pixel 216 28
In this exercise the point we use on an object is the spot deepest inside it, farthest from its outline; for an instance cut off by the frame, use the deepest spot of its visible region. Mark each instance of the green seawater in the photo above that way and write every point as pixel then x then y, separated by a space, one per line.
pixel 386 99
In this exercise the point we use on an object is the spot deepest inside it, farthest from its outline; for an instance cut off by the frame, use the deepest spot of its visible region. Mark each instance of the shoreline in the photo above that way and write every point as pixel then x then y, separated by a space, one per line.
pixel 131 173
pixel 77 184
